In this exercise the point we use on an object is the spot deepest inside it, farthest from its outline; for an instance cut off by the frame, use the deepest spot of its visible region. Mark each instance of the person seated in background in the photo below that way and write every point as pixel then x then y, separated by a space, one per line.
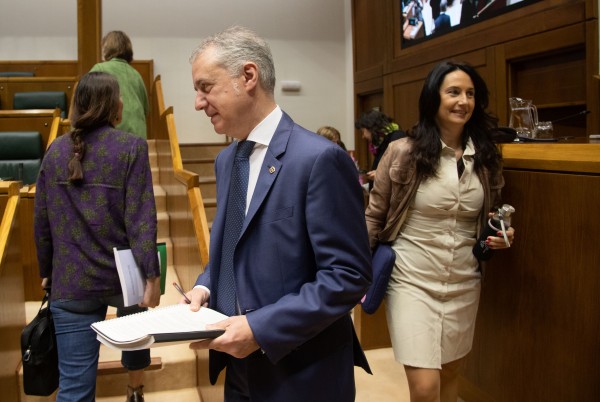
pixel 332 134
pixel 379 130
pixel 118 55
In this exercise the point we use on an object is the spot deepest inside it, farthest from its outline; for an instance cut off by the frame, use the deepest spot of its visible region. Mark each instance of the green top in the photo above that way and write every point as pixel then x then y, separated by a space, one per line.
pixel 133 94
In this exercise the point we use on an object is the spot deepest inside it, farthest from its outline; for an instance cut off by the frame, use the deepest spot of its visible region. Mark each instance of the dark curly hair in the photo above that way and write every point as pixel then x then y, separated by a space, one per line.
pixel 376 122
pixel 426 135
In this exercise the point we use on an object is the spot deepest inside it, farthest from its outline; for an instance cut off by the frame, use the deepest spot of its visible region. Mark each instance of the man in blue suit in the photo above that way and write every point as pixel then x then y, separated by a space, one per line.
pixel 302 260
pixel 442 22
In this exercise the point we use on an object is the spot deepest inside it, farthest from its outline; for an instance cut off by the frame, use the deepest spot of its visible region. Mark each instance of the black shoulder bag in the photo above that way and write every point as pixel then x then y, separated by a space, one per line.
pixel 40 353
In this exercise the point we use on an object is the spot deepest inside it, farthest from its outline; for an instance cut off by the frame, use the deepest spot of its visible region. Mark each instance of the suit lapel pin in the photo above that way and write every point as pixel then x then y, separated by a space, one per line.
pixel 271 169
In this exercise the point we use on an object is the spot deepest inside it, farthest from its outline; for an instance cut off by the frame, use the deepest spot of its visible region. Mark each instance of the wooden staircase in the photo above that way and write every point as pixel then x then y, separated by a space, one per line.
pixel 200 159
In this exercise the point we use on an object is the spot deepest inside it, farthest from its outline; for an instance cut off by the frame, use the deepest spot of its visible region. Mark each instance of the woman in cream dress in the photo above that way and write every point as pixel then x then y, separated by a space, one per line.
pixel 433 192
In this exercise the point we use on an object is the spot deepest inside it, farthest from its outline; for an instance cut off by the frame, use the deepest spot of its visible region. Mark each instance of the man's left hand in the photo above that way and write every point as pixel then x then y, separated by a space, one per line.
pixel 237 341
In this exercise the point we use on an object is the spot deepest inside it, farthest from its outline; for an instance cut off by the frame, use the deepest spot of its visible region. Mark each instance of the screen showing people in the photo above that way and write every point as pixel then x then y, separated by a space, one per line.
pixel 422 19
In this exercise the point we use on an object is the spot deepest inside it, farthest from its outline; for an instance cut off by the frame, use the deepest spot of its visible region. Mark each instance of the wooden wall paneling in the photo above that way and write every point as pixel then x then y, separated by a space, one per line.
pixel 490 74
pixel 536 337
pixel 552 69
pixel 497 84
pixel 591 9
pixel 405 101
pixel 592 87
pixel 553 79
pixel 403 90
pixel 70 69
pixel 545 42
pixel 372 73
pixel 369 37
pixel 42 68
pixel 89 34
pixel 373 85
pixel 146 70
pixel 395 41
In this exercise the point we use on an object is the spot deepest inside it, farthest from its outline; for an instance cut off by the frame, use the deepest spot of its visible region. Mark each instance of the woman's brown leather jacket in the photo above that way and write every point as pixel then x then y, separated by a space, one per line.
pixel 395 186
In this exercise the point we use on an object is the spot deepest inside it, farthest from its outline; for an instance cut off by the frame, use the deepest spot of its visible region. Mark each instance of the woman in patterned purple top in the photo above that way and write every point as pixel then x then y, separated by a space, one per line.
pixel 94 192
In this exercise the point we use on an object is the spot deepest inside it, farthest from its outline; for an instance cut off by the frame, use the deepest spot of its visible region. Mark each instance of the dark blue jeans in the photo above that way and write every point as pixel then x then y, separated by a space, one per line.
pixel 78 348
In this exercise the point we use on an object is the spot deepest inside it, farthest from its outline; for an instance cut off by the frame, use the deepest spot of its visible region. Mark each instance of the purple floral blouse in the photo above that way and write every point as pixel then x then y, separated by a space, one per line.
pixel 77 226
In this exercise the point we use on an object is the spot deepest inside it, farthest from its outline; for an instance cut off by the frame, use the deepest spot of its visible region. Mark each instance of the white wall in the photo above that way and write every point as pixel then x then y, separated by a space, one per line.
pixel 310 40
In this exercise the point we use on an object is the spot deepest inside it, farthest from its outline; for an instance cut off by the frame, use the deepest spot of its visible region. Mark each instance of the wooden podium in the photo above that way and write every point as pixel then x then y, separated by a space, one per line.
pixel 537 335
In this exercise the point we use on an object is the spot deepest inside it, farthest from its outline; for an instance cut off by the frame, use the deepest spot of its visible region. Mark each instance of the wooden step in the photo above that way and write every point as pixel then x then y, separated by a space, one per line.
pixel 155 175
pixel 160 197
pixel 179 395
pixel 205 150
pixel 203 167
pixel 115 366
pixel 210 207
pixel 163 219
pixel 208 186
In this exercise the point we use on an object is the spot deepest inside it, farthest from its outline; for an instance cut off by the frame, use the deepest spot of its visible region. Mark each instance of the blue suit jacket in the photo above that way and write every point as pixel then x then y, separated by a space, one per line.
pixel 302 263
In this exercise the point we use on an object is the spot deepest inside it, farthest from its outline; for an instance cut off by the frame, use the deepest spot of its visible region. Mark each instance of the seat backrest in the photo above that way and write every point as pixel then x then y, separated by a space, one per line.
pixel 41 100
pixel 16 74
pixel 21 154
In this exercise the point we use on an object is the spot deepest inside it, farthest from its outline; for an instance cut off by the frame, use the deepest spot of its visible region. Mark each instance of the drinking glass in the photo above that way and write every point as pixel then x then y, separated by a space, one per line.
pixel 544 129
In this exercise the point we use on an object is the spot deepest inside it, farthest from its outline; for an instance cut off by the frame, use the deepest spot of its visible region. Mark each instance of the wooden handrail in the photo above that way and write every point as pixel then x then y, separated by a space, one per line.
pixel 158 95
pixel 54 128
pixel 199 218
pixel 192 183
pixel 11 189
pixel 12 304
pixel 173 140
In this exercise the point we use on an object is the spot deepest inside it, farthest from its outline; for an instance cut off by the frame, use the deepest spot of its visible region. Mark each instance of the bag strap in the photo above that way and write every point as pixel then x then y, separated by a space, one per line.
pixel 45 299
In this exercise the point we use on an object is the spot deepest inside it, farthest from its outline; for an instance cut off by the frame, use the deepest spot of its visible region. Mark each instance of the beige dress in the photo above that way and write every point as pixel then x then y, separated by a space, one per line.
pixel 433 294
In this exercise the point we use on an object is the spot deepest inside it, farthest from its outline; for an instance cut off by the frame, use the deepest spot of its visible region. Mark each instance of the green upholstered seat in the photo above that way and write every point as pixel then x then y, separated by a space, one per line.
pixel 41 100
pixel 21 154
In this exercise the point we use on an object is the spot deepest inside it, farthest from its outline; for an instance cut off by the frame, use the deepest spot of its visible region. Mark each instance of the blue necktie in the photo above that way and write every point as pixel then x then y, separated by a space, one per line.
pixel 234 219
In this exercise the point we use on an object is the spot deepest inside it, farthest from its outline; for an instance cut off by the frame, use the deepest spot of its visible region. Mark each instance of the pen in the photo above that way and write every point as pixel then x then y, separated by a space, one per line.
pixel 182 292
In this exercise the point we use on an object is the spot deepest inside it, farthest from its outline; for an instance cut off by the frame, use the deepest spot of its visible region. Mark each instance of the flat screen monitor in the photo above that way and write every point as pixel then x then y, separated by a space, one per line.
pixel 425 19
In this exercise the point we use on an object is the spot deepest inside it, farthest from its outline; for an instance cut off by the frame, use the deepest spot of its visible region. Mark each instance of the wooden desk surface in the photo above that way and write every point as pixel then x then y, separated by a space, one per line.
pixel 576 155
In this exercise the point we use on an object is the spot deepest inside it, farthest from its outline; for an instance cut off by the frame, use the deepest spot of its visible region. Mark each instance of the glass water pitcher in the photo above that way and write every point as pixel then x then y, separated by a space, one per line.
pixel 523 117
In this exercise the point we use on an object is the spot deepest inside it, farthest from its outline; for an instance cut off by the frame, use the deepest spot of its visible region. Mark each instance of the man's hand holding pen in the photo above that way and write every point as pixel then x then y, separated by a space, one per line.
pixel 195 298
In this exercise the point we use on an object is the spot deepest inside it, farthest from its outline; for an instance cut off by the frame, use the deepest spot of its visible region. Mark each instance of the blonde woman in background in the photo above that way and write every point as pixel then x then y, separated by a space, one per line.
pixel 332 134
